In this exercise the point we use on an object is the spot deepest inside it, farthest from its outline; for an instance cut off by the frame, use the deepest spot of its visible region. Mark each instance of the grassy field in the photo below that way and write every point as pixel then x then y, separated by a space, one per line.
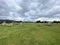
pixel 30 34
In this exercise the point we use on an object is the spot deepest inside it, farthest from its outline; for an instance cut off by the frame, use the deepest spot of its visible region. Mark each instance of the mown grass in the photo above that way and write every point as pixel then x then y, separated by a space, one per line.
pixel 30 34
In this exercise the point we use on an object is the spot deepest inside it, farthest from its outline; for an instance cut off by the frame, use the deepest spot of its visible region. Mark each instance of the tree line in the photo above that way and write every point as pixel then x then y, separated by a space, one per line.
pixel 47 21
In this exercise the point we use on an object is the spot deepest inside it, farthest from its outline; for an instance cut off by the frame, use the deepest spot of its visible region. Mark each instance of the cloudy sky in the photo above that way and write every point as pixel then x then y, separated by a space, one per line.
pixel 30 10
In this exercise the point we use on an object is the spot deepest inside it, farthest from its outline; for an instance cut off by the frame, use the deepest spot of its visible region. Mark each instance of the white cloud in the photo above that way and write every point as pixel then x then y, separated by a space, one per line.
pixel 31 9
pixel 48 19
pixel 13 5
pixel 33 5
pixel 19 19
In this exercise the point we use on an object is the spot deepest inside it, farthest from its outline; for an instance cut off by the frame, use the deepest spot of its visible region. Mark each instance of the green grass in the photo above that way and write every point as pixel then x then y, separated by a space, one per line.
pixel 30 34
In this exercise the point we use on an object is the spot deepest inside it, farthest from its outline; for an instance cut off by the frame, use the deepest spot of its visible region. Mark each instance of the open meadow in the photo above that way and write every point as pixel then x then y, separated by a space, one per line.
pixel 30 34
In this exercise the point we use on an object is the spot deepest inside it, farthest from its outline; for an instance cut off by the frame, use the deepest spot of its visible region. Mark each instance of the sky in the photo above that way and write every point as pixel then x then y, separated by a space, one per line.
pixel 30 10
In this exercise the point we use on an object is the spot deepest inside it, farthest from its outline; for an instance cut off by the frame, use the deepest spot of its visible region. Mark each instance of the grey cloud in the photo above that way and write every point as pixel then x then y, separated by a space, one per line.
pixel 29 9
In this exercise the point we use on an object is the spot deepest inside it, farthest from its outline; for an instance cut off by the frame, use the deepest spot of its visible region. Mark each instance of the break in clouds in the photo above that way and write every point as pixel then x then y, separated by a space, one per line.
pixel 30 10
